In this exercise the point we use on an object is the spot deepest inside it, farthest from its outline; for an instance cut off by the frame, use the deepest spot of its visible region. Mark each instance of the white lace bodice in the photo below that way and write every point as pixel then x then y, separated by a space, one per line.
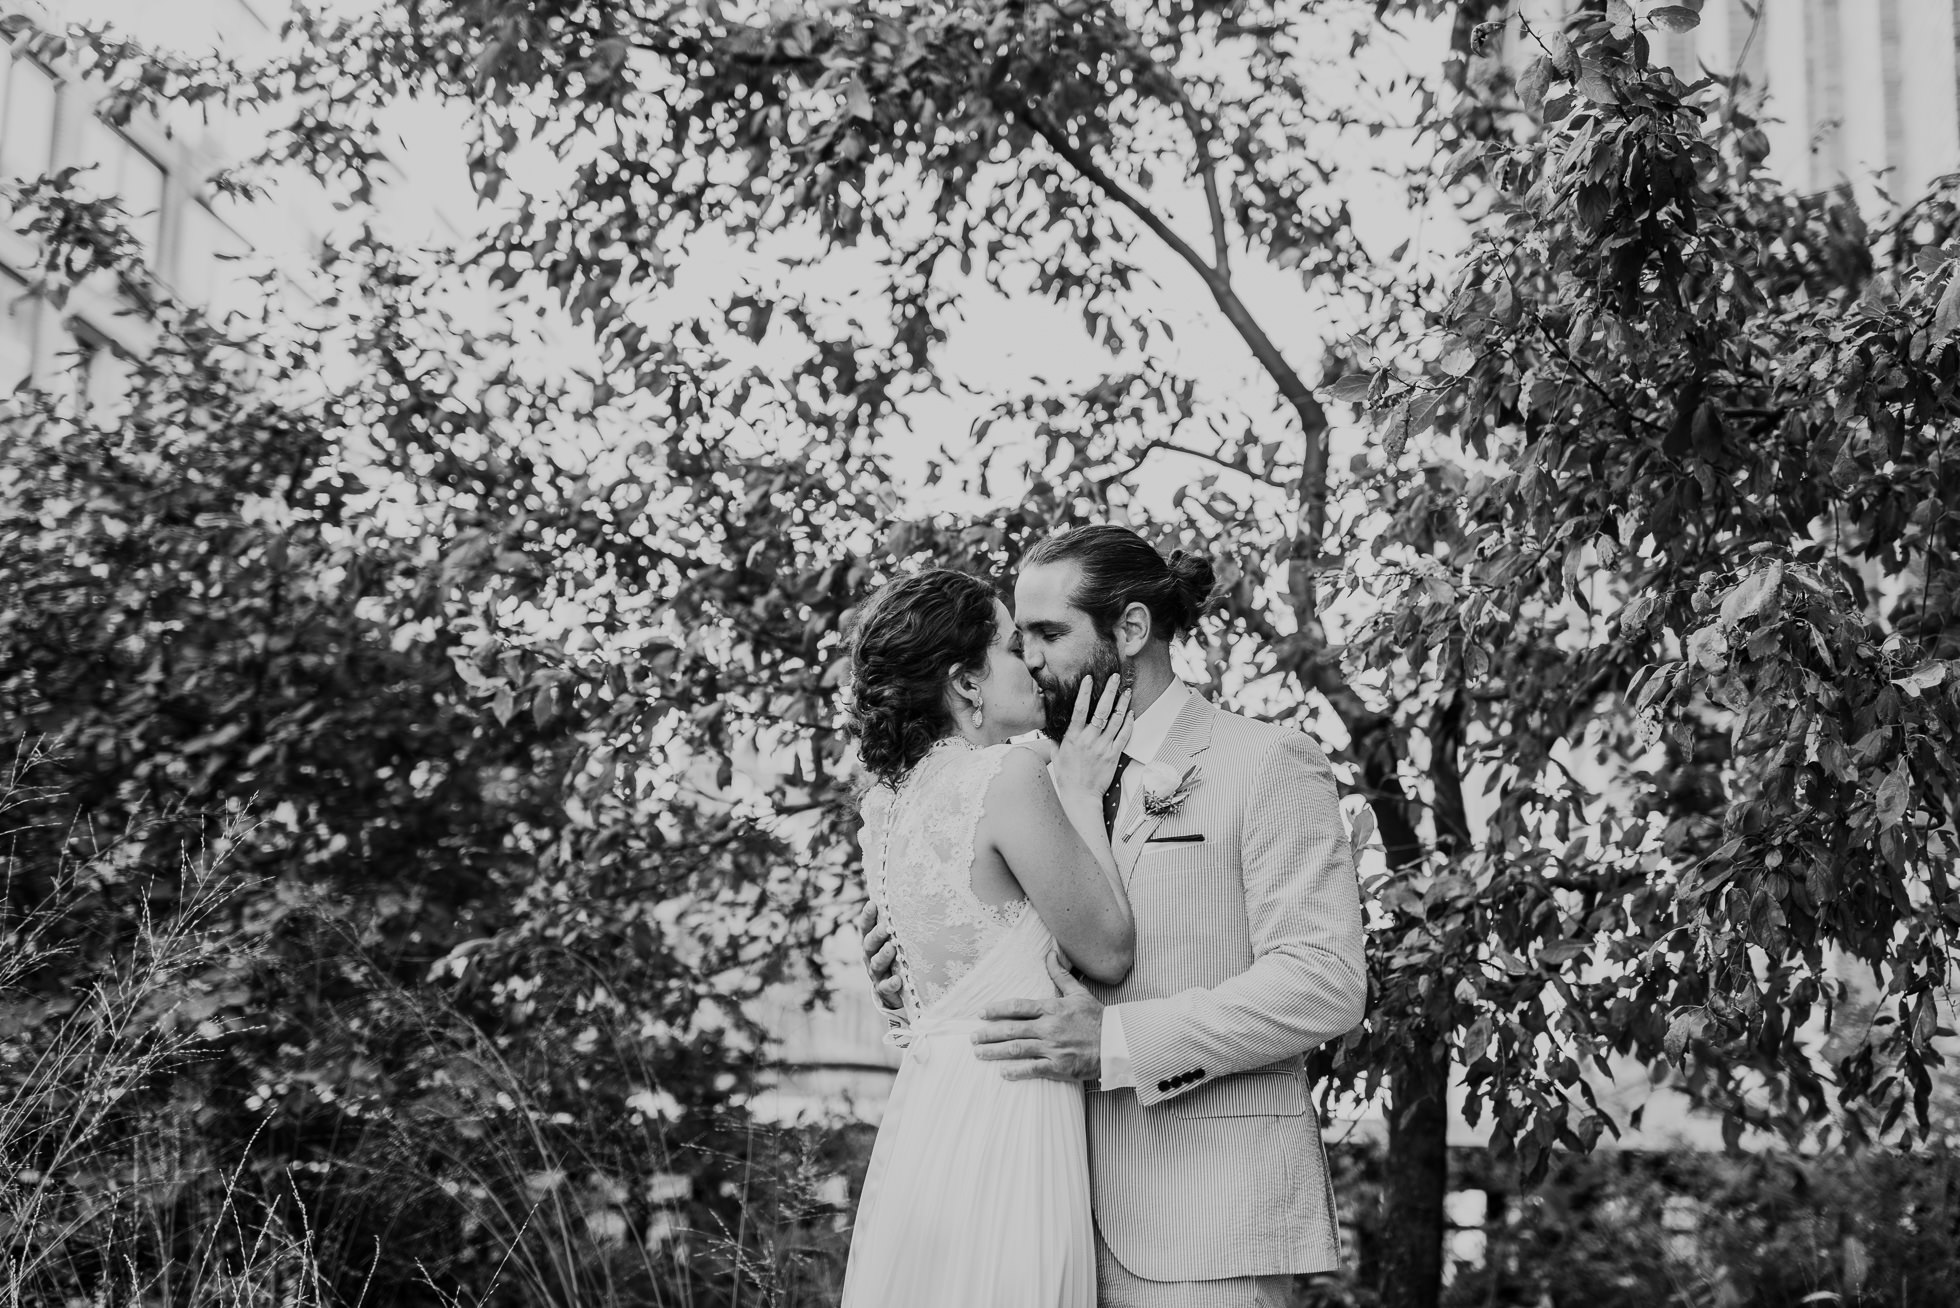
pixel 918 857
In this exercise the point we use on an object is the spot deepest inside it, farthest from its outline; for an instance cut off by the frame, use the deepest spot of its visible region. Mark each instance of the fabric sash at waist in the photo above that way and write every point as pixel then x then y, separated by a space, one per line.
pixel 915 1039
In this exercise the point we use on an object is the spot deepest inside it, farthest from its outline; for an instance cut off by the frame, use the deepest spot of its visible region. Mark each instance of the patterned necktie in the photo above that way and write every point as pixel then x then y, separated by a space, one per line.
pixel 1113 797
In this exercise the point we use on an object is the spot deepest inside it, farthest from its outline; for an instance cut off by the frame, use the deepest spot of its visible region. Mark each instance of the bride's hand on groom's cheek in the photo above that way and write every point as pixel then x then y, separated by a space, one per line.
pixel 1057 1039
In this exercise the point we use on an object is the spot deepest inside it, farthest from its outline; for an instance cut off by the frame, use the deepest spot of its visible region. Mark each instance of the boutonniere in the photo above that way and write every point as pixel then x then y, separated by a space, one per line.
pixel 1164 791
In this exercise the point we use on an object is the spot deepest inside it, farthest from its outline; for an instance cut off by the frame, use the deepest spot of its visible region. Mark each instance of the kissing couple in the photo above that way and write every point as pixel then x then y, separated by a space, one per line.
pixel 1143 1138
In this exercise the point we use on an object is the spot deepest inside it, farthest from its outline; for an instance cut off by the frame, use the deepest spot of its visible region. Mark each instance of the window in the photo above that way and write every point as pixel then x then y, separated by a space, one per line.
pixel 206 251
pixel 27 104
pixel 16 332
pixel 123 172
pixel 101 371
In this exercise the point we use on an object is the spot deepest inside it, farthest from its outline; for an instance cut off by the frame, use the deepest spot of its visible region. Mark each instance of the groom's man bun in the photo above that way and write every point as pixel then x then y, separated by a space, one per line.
pixel 1197 583
pixel 1121 568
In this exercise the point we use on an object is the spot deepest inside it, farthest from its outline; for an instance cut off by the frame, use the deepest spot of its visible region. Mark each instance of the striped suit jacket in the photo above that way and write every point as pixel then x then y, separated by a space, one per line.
pixel 1249 954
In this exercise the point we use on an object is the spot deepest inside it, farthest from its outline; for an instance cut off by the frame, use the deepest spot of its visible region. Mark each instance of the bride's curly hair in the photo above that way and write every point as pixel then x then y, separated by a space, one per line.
pixel 908 635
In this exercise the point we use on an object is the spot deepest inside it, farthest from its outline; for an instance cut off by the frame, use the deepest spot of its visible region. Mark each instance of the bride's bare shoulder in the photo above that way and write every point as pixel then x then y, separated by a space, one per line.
pixel 1020 786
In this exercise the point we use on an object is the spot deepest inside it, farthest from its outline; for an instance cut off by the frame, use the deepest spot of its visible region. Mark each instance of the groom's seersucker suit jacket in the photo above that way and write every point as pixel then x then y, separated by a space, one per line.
pixel 1249 954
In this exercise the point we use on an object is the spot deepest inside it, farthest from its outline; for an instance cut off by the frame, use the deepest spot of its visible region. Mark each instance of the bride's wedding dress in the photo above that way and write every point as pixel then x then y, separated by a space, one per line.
pixel 978 1190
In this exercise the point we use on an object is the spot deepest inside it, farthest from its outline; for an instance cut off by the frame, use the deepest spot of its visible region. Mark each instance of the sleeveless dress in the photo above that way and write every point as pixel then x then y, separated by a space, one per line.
pixel 977 1195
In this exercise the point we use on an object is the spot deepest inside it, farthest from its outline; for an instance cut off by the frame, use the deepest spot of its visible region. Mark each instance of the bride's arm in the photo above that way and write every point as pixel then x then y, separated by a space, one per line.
pixel 1057 849
pixel 1085 766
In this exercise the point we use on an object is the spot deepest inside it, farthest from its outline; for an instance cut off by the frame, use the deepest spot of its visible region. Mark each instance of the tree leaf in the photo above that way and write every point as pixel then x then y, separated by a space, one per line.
pixel 1534 81
pixel 1708 648
pixel 1362 829
pixel 1597 87
pixel 1894 796
pixel 1675 18
pixel 1923 679
pixel 1351 388
pixel 1752 595
pixel 1925 1019
pixel 1687 1024
pixel 1946 319
pixel 1638 613
pixel 1394 430
pixel 1562 952
pixel 1564 57
pixel 1595 205
pixel 857 101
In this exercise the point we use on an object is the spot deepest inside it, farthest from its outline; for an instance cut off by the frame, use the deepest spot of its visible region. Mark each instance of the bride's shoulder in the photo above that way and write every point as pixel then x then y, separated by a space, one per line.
pixel 875 801
pixel 1034 743
pixel 1014 765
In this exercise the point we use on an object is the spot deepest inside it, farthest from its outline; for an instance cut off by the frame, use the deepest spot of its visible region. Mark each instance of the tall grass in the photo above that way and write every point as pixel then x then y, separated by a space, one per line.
pixel 124 1182
pixel 101 1167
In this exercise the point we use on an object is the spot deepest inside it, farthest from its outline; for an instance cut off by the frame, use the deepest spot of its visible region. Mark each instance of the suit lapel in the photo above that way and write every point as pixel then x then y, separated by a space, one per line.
pixel 1190 736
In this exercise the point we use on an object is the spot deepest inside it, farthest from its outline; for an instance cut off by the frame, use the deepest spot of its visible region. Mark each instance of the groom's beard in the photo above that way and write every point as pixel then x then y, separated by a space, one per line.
pixel 1058 696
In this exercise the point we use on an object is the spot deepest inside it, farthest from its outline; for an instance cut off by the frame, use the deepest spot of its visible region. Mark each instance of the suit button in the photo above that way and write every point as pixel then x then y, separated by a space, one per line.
pixel 1164 1087
pixel 1198 1074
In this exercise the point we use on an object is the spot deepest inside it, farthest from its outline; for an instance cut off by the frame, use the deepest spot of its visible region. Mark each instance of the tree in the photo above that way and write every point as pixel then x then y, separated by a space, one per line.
pixel 262 728
pixel 1691 499
pixel 1504 598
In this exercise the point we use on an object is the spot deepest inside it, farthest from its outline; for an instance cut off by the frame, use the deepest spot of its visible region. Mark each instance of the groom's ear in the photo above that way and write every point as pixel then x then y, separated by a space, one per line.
pixel 1132 630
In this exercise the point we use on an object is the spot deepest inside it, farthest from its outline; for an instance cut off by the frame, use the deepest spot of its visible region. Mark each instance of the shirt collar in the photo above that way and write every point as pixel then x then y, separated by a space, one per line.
pixel 1153 725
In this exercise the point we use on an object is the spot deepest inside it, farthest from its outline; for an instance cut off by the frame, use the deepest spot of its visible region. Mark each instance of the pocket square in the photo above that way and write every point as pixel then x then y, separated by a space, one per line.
pixel 1192 839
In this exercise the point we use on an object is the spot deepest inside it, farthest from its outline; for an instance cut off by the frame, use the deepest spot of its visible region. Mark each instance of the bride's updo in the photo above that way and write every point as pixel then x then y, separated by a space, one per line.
pixel 908 635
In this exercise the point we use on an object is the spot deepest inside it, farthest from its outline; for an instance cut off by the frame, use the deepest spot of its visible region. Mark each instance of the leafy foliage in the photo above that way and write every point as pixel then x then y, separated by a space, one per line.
pixel 1705 520
pixel 440 973
pixel 1631 618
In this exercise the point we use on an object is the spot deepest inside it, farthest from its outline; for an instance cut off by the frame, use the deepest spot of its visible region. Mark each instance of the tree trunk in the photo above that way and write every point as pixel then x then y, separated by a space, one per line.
pixel 1418 1159
pixel 1417 1179
pixel 1418 1101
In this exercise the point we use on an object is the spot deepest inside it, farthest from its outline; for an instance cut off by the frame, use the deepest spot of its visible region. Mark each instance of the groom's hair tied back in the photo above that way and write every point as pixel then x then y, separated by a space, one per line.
pixel 907 635
pixel 1121 568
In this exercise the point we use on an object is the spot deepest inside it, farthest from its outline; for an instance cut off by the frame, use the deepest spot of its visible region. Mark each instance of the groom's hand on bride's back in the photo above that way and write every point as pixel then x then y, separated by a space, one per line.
pixel 1057 1039
pixel 881 958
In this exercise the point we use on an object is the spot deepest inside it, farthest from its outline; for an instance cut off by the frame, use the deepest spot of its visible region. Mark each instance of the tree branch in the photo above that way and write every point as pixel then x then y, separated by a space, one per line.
pixel 1079 159
pixel 1372 736
pixel 1221 255
pixel 1219 460
pixel 1310 527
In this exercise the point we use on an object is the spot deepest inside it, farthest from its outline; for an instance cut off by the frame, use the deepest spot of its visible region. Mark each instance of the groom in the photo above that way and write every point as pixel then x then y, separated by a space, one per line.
pixel 1209 1181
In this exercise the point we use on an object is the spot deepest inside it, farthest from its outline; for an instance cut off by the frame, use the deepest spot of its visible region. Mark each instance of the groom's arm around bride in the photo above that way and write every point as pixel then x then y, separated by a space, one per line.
pixel 1306 984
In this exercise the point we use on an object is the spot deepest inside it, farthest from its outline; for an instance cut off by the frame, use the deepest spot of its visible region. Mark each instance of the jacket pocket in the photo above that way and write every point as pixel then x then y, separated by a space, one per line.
pixel 1247 1094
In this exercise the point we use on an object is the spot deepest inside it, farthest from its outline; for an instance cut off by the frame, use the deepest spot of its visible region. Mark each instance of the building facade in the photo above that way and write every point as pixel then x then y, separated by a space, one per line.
pixel 1858 92
pixel 204 247
pixel 158 169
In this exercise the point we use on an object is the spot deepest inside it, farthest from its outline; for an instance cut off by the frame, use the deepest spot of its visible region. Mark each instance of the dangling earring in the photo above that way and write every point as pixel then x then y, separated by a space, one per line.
pixel 979 717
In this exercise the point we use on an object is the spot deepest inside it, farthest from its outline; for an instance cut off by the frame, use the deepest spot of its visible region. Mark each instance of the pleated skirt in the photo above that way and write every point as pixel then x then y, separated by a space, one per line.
pixel 977 1195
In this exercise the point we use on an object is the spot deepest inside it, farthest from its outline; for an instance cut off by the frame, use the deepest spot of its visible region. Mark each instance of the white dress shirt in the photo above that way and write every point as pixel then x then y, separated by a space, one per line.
pixel 1153 726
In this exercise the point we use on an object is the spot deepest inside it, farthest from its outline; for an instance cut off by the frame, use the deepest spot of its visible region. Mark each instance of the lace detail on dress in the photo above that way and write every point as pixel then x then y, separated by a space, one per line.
pixel 918 851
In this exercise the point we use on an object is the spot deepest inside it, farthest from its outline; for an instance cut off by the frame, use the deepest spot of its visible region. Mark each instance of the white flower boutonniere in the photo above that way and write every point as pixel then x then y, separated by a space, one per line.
pixel 1164 791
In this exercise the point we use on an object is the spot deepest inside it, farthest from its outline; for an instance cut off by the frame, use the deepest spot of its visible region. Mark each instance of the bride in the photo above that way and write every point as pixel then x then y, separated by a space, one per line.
pixel 983 858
